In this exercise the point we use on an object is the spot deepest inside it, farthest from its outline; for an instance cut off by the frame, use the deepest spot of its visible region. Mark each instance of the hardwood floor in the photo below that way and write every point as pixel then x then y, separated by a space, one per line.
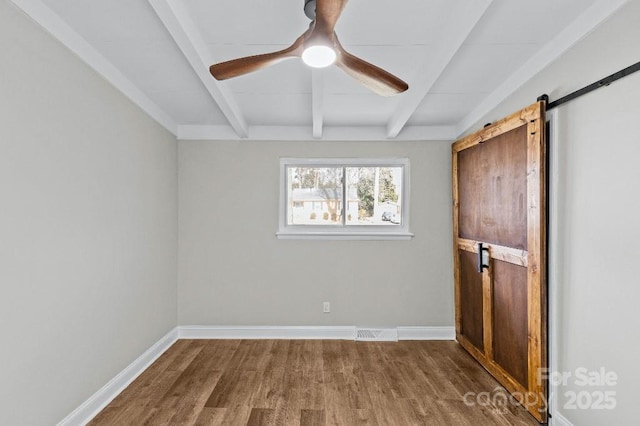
pixel 309 383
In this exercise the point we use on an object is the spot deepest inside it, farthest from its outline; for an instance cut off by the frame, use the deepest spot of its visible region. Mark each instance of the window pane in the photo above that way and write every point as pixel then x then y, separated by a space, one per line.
pixel 374 195
pixel 314 196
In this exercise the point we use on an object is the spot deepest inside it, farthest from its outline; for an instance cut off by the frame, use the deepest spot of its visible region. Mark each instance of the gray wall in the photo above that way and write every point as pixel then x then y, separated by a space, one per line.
pixel 233 270
pixel 88 228
pixel 595 237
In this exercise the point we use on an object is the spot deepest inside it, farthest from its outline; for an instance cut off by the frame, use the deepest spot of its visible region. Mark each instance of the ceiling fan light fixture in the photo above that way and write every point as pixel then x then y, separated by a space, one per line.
pixel 319 56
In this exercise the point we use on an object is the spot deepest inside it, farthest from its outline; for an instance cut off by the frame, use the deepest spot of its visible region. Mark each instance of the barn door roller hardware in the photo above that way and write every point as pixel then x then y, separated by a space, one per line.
pixel 482 263
pixel 590 88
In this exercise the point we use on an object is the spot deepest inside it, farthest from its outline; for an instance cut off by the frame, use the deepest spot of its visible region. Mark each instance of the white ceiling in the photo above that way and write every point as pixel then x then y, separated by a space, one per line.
pixel 460 58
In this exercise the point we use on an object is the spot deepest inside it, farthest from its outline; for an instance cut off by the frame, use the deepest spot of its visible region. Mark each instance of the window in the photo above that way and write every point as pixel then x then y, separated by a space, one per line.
pixel 344 198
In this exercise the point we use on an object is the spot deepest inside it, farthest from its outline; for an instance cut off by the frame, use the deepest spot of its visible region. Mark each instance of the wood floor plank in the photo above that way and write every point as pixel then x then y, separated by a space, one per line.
pixel 272 388
pixel 182 360
pixel 193 397
pixel 211 417
pixel 241 353
pixel 304 390
pixel 235 387
pixel 366 417
pixel 309 383
pixel 145 383
pixel 381 397
pixel 370 356
pixel 187 396
pixel 261 417
pixel 356 391
pixel 312 418
pixel 259 356
pixel 303 381
pixel 305 355
pixel 339 355
pixel 338 408
pixel 278 354
pixel 141 404
pixel 437 376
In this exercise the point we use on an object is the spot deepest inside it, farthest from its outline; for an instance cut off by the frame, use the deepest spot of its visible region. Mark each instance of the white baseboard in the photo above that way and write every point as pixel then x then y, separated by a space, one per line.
pixel 558 419
pixel 318 332
pixel 426 333
pixel 266 332
pixel 92 406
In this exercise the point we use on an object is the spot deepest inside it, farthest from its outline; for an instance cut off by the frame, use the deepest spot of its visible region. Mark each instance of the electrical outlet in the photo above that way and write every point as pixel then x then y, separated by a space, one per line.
pixel 326 307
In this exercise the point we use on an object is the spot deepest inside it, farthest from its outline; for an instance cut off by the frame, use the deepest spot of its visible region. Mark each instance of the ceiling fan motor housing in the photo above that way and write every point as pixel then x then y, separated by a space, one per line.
pixel 310 9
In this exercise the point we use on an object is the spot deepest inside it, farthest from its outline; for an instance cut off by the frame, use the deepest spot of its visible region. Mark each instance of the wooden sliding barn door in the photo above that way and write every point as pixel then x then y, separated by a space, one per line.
pixel 500 252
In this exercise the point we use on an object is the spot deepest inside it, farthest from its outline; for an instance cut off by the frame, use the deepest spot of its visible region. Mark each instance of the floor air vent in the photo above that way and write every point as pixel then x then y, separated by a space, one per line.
pixel 377 334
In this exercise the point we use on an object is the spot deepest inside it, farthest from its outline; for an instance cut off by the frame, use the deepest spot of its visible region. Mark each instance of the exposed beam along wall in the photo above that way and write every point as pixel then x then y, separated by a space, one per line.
pixel 465 17
pixel 587 22
pixel 60 30
pixel 178 23
pixel 329 133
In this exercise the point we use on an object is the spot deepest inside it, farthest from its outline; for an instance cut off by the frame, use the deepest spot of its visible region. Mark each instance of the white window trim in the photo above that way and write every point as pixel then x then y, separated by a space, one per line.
pixel 348 232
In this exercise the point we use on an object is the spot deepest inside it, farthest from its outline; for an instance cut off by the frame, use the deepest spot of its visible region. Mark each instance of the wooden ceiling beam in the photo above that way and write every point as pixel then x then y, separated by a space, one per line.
pixel 179 24
pixel 303 133
pixel 573 33
pixel 463 20
pixel 75 42
pixel 317 95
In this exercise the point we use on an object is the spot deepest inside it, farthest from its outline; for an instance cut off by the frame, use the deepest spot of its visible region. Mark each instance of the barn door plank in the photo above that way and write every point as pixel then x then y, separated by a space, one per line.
pixel 499 203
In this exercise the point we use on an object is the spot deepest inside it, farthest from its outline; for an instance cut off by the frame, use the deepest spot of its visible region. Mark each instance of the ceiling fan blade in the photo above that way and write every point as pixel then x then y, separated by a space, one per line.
pixel 327 14
pixel 241 66
pixel 374 78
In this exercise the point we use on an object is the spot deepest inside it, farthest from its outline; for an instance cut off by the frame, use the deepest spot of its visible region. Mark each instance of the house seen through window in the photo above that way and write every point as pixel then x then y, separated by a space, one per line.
pixel 344 196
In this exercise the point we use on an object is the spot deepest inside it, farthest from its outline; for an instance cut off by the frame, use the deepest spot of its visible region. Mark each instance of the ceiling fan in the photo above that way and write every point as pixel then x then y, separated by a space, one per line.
pixel 318 47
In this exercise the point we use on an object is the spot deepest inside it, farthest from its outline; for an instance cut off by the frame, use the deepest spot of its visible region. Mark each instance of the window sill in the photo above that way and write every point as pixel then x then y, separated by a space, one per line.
pixel 362 236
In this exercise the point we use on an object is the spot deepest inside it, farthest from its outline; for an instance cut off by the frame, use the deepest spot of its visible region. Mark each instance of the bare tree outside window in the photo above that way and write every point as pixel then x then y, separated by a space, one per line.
pixel 320 195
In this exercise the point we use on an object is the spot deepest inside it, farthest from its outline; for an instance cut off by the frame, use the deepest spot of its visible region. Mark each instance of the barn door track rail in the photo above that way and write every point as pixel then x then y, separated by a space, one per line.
pixel 590 88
